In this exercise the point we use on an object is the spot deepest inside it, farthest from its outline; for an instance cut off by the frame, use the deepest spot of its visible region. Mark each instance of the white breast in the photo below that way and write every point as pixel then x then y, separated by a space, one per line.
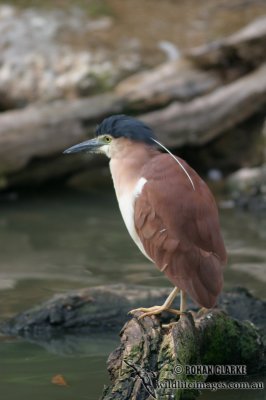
pixel 126 203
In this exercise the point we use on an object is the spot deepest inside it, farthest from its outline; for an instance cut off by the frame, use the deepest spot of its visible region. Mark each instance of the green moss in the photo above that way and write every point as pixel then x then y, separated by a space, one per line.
pixel 98 8
pixel 101 82
pixel 93 8
pixel 228 340
pixel 166 364
pixel 136 352
pixel 166 358
pixel 249 343
pixel 218 337
pixel 175 350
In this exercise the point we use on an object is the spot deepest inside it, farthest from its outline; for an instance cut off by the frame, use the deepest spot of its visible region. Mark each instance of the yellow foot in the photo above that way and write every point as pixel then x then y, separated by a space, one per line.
pixel 154 311
pixel 170 325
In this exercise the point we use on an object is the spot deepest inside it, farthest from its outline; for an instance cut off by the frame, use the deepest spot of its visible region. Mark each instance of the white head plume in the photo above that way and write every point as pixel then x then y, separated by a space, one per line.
pixel 176 159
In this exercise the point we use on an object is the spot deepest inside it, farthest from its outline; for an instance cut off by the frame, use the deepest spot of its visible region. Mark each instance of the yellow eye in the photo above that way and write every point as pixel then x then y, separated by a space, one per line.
pixel 107 139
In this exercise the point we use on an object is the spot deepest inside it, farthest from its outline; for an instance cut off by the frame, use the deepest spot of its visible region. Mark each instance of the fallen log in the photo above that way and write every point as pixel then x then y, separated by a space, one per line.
pixel 41 133
pixel 176 80
pixel 203 119
pixel 199 70
pixel 245 48
pixel 102 308
pixel 157 361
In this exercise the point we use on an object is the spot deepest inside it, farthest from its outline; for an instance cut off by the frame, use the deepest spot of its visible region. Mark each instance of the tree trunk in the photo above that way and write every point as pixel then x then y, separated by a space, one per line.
pixel 152 360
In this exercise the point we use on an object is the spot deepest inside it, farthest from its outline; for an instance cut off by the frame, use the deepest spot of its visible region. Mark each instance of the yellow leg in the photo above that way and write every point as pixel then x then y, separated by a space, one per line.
pixel 159 309
pixel 183 304
pixel 183 301
pixel 182 309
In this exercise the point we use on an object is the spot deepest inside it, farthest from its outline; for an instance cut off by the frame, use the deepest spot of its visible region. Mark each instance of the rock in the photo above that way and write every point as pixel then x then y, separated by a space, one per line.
pixel 247 187
pixel 246 179
pixel 44 56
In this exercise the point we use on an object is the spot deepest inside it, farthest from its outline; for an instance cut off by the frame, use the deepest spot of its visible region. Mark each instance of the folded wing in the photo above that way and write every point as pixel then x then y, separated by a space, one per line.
pixel 179 229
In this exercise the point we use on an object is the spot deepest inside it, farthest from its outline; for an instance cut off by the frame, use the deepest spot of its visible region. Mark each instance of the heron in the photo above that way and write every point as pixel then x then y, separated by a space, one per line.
pixel 169 211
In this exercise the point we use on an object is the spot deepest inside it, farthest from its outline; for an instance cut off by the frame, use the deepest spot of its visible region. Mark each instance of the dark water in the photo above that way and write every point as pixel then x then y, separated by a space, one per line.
pixel 62 240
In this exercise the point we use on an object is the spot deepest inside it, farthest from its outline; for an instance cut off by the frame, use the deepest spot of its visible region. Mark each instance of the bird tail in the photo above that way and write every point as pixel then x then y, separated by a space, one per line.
pixel 207 283
pixel 200 275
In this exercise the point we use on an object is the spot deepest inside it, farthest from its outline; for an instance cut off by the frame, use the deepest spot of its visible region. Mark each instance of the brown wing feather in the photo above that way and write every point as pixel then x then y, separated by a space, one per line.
pixel 179 229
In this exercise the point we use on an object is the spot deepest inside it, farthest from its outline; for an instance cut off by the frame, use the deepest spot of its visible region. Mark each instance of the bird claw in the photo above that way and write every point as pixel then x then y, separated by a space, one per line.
pixel 144 310
pixel 176 312
pixel 155 310
pixel 170 325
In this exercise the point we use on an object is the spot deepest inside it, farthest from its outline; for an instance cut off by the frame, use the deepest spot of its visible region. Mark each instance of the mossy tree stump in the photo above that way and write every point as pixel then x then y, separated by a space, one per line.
pixel 151 355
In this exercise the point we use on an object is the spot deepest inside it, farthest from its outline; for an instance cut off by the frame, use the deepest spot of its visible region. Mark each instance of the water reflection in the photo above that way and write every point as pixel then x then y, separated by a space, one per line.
pixel 27 371
pixel 64 240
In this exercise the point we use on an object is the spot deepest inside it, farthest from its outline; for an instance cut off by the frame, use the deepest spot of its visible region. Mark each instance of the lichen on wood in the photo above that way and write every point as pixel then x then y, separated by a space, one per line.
pixel 149 348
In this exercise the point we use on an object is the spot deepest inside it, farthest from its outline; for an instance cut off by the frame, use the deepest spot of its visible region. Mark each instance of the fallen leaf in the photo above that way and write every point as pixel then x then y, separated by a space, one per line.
pixel 59 380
